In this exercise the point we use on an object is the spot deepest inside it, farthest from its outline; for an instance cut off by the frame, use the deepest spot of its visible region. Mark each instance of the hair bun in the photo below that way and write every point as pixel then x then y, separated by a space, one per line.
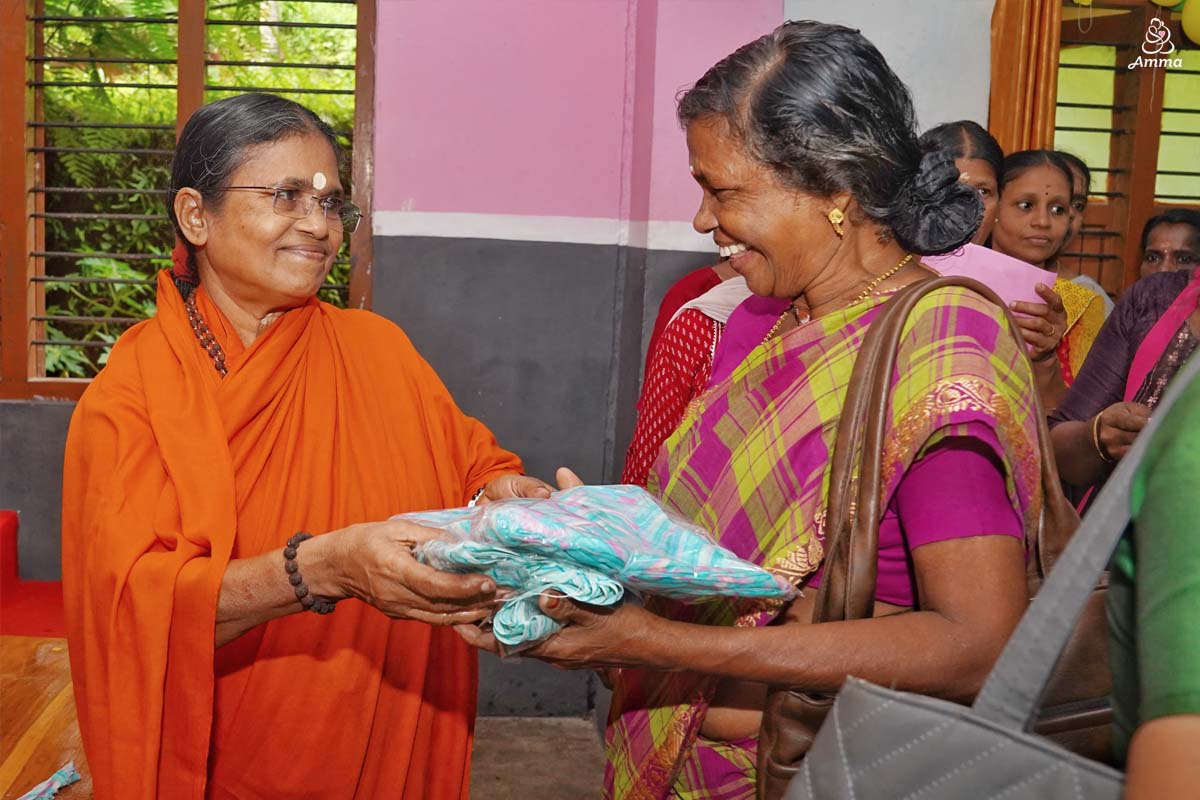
pixel 934 213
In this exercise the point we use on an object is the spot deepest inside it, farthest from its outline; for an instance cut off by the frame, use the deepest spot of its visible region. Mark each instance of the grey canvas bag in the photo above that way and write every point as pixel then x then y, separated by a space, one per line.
pixel 883 743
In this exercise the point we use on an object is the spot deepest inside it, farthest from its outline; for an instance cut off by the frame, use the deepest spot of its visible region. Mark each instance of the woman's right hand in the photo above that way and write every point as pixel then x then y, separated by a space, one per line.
pixel 378 567
pixel 1042 325
pixel 375 563
pixel 1119 425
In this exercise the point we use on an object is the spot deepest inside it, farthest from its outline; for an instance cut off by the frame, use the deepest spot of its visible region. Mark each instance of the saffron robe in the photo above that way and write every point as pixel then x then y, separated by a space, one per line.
pixel 329 418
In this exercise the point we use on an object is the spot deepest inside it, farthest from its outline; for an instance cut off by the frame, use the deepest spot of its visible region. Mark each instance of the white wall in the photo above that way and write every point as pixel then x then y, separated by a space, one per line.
pixel 940 48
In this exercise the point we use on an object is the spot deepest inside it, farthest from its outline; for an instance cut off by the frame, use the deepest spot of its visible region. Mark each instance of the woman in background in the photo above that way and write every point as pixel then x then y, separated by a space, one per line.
pixel 679 358
pixel 1153 330
pixel 683 291
pixel 1171 241
pixel 1081 182
pixel 979 159
pixel 1032 222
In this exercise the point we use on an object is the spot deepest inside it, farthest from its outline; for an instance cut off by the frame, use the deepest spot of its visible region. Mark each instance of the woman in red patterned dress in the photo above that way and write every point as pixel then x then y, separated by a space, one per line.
pixel 679 359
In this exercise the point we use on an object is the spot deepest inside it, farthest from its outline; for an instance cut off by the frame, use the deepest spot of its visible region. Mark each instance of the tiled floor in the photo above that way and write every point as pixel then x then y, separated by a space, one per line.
pixel 536 758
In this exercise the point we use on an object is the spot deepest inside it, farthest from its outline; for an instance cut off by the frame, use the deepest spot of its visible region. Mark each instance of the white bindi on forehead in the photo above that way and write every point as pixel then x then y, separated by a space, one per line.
pixel 319 181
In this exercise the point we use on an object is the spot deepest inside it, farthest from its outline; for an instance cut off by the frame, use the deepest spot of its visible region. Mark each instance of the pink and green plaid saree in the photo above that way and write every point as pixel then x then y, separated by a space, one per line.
pixel 751 463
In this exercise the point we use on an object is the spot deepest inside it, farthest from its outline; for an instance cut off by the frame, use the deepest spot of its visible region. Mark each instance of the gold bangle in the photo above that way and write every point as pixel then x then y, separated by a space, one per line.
pixel 1096 440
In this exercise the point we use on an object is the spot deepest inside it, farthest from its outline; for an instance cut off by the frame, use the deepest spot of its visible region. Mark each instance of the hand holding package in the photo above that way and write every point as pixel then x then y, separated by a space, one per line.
pixel 591 543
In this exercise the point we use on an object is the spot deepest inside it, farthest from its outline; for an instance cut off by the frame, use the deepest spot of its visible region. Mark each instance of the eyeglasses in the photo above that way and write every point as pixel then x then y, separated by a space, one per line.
pixel 297 204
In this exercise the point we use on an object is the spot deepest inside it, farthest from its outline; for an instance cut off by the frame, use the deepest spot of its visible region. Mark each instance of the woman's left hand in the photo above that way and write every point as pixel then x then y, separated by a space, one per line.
pixel 592 636
pixel 1042 325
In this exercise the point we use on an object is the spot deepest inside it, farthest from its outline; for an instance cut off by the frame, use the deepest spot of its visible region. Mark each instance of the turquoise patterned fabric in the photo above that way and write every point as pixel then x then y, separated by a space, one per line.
pixel 592 543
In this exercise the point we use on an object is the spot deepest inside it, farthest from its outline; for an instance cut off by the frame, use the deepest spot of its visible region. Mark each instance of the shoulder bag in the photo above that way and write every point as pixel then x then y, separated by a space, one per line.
pixel 1076 711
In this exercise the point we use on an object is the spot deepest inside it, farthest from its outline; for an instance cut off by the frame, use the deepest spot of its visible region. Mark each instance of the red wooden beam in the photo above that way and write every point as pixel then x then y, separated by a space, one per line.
pixel 14 198
pixel 362 250
pixel 190 54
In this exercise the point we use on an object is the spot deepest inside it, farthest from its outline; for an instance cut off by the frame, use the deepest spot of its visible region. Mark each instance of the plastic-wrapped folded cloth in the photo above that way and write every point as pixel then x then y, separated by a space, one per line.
pixel 591 543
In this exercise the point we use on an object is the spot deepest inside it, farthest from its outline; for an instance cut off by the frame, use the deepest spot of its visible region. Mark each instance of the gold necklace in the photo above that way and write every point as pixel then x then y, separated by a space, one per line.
pixel 791 309
pixel 881 278
pixel 865 294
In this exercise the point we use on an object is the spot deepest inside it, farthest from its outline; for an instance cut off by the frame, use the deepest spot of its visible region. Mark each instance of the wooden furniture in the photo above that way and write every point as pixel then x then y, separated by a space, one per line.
pixel 27 608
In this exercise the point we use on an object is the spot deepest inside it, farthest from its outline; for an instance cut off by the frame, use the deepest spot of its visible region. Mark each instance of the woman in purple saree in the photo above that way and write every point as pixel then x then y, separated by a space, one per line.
pixel 1147 338
pixel 803 143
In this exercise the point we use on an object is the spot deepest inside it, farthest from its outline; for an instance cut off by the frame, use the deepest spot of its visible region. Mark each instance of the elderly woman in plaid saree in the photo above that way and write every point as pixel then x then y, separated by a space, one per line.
pixel 812 179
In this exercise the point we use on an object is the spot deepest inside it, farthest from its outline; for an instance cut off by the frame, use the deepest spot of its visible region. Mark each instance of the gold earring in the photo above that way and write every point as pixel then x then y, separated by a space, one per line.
pixel 835 219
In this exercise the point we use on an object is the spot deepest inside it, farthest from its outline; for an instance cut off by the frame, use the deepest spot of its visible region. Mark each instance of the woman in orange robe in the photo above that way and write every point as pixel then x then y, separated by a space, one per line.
pixel 198 672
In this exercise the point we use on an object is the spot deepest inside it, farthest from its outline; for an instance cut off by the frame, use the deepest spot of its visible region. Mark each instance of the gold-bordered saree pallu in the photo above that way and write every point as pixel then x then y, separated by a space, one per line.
pixel 1085 318
pixel 751 463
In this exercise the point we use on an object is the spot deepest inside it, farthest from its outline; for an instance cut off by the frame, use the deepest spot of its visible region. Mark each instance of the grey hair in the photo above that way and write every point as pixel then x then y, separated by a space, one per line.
pixel 218 137
pixel 820 106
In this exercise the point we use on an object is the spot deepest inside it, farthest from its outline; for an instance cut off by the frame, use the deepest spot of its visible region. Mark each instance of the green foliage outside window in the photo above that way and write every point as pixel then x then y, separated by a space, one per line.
pixel 132 219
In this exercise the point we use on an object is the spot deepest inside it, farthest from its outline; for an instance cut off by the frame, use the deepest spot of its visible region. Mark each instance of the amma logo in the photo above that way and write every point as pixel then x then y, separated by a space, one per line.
pixel 1158 43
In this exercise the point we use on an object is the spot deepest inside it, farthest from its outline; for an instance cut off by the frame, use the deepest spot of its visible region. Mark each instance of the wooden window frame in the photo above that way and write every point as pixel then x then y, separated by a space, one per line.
pixel 1129 199
pixel 362 168
pixel 20 299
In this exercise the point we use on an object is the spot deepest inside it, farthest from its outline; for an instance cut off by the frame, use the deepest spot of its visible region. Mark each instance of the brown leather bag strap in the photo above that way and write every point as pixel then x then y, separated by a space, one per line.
pixel 833 595
pixel 852 528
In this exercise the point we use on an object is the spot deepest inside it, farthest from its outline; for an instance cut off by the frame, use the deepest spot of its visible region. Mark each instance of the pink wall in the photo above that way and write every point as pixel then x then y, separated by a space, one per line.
pixel 521 106
pixel 692 36
pixel 500 106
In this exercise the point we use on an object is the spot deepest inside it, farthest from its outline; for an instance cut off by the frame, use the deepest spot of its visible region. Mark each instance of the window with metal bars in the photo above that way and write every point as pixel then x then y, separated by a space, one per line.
pixel 1178 179
pixel 99 90
pixel 1135 128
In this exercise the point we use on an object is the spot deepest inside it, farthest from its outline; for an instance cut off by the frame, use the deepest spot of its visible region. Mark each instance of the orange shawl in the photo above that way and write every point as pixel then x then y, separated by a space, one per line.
pixel 328 419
